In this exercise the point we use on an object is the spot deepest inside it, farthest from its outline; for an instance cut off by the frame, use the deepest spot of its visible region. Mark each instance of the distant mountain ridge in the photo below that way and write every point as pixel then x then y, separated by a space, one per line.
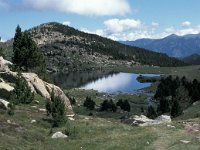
pixel 173 45
pixel 192 59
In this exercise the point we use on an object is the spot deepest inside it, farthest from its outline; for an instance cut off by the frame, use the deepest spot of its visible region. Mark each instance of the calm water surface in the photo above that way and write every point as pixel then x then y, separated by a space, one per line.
pixel 120 82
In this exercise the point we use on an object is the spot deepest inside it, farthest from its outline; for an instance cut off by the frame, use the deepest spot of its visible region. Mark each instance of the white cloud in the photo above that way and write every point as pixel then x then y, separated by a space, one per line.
pixel 67 23
pixel 81 7
pixel 122 30
pixel 155 24
pixel 186 24
pixel 181 32
pixel 116 25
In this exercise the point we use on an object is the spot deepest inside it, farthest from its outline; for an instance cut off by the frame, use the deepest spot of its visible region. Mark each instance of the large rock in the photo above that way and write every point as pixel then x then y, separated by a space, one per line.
pixel 58 135
pixel 43 88
pixel 5 90
pixel 144 121
pixel 4 64
pixel 4 104
pixel 36 84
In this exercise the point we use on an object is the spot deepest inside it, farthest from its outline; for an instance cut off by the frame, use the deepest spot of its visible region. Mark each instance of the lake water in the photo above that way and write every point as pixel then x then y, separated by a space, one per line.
pixel 119 82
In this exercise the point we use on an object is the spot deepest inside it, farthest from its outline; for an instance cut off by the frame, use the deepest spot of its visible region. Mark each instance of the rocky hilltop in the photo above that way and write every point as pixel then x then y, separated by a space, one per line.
pixel 69 49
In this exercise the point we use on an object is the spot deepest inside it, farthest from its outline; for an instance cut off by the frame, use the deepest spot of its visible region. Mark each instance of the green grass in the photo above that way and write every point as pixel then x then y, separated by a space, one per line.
pixel 87 132
pixel 136 102
pixel 90 133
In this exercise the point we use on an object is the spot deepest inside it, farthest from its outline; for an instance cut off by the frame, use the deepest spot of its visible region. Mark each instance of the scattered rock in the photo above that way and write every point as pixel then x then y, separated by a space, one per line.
pixel 184 141
pixel 70 118
pixel 170 126
pixel 33 106
pixel 36 102
pixel 5 90
pixel 58 135
pixel 4 104
pixel 145 121
pixel 33 121
pixel 42 110
pixel 8 121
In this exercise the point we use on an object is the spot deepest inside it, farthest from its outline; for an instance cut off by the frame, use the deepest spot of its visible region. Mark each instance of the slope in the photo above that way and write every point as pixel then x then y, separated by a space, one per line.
pixel 67 48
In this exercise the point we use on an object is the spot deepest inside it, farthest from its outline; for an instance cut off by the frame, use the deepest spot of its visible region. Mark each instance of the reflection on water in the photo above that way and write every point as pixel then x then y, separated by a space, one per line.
pixel 121 82
pixel 103 81
pixel 78 79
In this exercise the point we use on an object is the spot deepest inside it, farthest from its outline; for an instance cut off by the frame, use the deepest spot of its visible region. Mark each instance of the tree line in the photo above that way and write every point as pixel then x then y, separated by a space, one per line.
pixel 176 94
pixel 108 105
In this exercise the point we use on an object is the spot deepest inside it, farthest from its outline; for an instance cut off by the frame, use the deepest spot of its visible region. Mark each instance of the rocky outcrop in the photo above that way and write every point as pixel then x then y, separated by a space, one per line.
pixel 45 89
pixel 144 121
pixel 4 104
pixel 4 64
pixel 5 90
pixel 58 135
pixel 36 84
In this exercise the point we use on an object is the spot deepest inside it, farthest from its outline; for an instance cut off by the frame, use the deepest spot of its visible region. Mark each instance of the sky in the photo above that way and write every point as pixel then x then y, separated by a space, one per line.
pixel 115 19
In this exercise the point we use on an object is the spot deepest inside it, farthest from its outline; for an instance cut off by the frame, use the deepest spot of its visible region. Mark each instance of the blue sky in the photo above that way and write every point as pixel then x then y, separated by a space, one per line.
pixel 115 19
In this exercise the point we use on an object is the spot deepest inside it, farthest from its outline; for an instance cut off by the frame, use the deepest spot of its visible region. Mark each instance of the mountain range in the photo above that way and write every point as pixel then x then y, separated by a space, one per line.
pixel 173 45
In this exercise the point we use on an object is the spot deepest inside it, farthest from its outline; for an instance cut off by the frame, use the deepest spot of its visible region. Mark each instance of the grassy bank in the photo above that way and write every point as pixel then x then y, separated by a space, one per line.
pixel 89 133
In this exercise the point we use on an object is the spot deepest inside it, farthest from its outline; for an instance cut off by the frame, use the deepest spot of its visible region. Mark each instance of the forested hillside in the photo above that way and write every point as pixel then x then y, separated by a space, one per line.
pixel 66 46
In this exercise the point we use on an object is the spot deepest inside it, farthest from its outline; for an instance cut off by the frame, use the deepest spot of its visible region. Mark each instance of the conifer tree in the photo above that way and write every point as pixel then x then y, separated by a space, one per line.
pixel 56 108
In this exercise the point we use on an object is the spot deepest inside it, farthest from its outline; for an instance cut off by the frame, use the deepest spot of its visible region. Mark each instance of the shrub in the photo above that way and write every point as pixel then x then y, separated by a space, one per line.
pixel 108 106
pixel 89 103
pixel 151 113
pixel 56 108
pixel 22 92
pixel 11 109
pixel 176 109
pixel 124 105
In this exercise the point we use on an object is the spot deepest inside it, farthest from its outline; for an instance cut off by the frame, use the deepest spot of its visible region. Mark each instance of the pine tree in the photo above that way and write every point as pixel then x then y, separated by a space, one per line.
pixel 22 92
pixel 151 113
pixel 126 106
pixel 56 108
pixel 176 109
pixel 89 103
pixel 27 55
pixel 17 47
pixel 164 105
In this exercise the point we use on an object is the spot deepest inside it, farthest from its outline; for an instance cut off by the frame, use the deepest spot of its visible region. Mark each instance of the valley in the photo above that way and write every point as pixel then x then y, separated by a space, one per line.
pixel 98 119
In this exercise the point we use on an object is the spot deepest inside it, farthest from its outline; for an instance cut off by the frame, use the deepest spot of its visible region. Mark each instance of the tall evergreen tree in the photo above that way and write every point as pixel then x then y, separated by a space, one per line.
pixel 27 55
pixel 176 109
pixel 17 46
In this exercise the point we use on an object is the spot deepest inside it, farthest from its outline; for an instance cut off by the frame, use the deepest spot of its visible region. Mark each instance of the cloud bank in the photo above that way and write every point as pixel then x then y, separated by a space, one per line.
pixel 132 29
pixel 81 7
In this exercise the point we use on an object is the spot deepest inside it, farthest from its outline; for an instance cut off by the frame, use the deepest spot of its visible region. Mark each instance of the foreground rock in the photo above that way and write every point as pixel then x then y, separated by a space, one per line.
pixel 58 135
pixel 144 121
pixel 4 104
pixel 36 84
pixel 45 89
pixel 5 90
pixel 4 64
